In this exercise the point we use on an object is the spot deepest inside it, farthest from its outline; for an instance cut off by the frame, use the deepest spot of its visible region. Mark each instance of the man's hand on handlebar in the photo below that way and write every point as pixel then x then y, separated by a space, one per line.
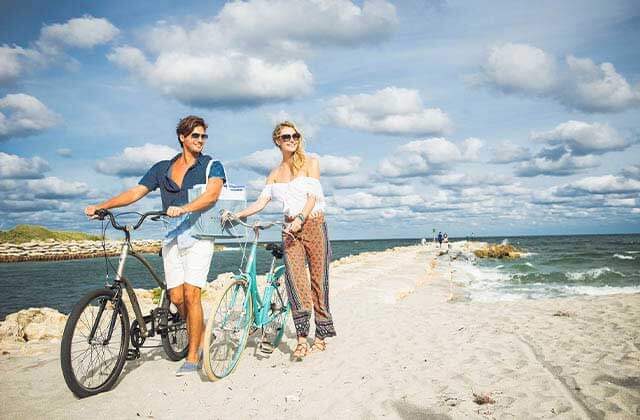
pixel 174 211
pixel 90 211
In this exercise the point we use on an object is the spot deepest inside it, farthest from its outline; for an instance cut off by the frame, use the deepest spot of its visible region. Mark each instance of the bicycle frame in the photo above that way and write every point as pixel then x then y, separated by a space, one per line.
pixel 249 274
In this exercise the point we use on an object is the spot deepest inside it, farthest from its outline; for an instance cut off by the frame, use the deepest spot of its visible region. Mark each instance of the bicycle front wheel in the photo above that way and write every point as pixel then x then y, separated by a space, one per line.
pixel 227 331
pixel 94 343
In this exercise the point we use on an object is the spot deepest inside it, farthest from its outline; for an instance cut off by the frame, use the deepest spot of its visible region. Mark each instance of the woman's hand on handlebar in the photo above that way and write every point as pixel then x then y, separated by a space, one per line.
pixel 174 211
pixel 227 217
pixel 294 226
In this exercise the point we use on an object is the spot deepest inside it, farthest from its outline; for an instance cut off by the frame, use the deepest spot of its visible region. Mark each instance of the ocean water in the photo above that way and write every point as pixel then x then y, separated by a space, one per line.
pixel 553 266
pixel 59 284
pixel 556 266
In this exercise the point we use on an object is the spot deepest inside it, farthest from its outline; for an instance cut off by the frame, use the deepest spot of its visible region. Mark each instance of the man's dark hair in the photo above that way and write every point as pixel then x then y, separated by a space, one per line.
pixel 188 124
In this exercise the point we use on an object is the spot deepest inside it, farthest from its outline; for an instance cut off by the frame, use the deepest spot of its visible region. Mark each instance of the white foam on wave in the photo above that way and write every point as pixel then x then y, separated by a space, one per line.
pixel 528 264
pixel 488 284
pixel 632 252
pixel 592 274
pixel 623 257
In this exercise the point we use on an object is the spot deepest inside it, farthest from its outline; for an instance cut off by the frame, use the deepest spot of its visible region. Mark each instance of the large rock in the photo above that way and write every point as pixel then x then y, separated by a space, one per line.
pixel 33 325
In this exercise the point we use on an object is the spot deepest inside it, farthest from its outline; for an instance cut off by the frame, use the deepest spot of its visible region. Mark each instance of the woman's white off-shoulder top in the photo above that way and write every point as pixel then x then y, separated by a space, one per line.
pixel 293 194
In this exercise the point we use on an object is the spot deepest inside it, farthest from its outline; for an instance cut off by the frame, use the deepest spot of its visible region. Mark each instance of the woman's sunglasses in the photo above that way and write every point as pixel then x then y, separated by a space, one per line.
pixel 290 137
pixel 196 136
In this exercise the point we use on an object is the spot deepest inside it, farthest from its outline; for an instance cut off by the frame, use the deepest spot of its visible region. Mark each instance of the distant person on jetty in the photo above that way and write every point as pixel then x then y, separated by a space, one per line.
pixel 295 183
pixel 445 239
pixel 440 239
pixel 186 259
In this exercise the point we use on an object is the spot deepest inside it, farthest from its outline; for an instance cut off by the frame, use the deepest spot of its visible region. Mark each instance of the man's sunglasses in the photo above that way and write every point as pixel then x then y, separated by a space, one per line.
pixel 290 137
pixel 196 136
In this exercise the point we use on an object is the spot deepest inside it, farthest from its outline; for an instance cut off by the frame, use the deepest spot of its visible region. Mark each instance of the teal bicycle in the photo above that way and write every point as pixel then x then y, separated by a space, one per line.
pixel 242 311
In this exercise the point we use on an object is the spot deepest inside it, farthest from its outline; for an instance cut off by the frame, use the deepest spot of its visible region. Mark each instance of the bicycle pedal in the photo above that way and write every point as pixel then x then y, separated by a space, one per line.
pixel 133 354
pixel 266 347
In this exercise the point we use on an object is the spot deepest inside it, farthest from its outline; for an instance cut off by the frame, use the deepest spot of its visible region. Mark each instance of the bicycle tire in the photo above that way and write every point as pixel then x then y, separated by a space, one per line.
pixel 77 322
pixel 174 348
pixel 219 324
pixel 273 332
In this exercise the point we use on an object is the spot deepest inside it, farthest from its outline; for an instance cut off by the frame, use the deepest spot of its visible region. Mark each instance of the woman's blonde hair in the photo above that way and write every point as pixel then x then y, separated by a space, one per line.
pixel 297 162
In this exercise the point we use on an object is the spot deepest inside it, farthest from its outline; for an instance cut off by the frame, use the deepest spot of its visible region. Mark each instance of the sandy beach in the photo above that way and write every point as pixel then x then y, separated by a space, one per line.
pixel 409 346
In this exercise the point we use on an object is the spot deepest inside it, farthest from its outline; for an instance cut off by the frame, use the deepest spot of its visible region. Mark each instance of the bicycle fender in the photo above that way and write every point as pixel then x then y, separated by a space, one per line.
pixel 278 271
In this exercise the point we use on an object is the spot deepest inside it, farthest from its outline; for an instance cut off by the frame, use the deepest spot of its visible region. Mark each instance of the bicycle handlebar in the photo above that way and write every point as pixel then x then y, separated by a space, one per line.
pixel 261 225
pixel 103 213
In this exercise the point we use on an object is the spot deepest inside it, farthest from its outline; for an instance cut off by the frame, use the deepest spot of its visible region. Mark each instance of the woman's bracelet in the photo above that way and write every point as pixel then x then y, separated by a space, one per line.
pixel 301 217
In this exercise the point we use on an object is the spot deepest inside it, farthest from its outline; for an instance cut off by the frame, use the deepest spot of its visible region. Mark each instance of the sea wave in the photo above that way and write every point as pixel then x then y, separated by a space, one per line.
pixel 632 252
pixel 623 257
pixel 592 274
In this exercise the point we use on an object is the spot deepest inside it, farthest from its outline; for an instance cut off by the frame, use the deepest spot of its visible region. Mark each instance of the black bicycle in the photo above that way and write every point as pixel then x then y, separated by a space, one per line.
pixel 96 338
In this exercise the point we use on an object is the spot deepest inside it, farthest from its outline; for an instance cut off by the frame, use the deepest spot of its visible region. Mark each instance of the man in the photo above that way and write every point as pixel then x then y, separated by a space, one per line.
pixel 186 259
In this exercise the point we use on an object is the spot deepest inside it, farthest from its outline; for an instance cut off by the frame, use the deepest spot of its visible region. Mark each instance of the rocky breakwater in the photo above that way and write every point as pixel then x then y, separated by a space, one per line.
pixel 52 250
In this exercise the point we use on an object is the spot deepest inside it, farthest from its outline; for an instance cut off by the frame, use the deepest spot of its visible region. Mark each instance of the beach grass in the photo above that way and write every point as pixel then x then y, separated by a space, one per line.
pixel 27 233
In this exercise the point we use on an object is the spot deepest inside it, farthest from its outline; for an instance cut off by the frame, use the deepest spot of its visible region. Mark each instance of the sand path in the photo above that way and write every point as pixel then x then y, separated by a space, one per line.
pixel 403 351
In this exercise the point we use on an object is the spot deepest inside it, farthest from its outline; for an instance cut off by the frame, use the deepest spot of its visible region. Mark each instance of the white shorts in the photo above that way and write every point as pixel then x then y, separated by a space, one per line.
pixel 189 265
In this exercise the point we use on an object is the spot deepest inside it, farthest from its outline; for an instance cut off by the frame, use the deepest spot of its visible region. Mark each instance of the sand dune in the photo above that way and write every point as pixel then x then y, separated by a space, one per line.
pixel 408 346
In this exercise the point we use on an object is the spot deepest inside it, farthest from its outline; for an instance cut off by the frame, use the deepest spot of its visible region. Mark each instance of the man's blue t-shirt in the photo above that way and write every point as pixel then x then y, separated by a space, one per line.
pixel 159 176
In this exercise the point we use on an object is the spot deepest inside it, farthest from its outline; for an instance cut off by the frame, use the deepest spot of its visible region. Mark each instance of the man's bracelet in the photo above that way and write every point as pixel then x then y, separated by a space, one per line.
pixel 300 216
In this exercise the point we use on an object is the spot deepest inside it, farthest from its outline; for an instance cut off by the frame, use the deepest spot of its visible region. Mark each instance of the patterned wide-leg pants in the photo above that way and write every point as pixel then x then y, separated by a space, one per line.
pixel 307 293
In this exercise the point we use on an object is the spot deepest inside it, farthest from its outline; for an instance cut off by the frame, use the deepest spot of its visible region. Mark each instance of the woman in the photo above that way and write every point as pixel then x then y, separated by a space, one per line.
pixel 295 183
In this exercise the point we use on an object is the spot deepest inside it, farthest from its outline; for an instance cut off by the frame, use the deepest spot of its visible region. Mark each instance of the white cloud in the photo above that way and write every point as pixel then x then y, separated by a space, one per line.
pixel 583 138
pixel 84 32
pixel 22 115
pixel 338 165
pixel 430 156
pixel 359 200
pixel 599 88
pixel 228 61
pixel 520 68
pixel 15 167
pixel 632 171
pixel 606 184
pixel 346 182
pixel 580 84
pixel 508 152
pixel 337 22
pixel 216 80
pixel 390 190
pixel 458 181
pixel 64 152
pixel 260 161
pixel 263 161
pixel 390 110
pixel 555 162
pixel 14 61
pixel 135 161
pixel 53 188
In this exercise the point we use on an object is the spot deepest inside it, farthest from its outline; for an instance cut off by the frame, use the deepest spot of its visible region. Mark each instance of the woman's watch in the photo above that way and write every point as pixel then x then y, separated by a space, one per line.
pixel 301 217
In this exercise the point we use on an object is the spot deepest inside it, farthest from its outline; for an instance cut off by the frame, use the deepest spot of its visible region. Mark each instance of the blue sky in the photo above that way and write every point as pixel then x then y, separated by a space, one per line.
pixel 499 119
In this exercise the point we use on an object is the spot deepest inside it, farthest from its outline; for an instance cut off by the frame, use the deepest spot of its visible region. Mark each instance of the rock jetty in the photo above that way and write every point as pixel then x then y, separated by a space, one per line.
pixel 498 251
pixel 52 250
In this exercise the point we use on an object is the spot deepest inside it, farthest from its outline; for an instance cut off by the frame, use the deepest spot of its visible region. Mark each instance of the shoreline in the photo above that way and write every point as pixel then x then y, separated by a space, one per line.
pixel 408 345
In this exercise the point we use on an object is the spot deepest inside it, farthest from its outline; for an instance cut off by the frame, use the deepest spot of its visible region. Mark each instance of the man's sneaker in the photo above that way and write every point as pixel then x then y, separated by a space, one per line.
pixel 187 368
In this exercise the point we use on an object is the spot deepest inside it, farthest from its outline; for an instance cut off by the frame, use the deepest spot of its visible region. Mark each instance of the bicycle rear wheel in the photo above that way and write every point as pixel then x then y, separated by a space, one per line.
pixel 94 343
pixel 279 310
pixel 227 331
pixel 175 340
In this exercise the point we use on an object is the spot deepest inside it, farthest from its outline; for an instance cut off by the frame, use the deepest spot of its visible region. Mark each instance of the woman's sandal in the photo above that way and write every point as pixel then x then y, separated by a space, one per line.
pixel 300 352
pixel 318 346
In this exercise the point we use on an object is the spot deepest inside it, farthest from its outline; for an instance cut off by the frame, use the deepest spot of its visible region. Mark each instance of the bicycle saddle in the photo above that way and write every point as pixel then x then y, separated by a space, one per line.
pixel 276 250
